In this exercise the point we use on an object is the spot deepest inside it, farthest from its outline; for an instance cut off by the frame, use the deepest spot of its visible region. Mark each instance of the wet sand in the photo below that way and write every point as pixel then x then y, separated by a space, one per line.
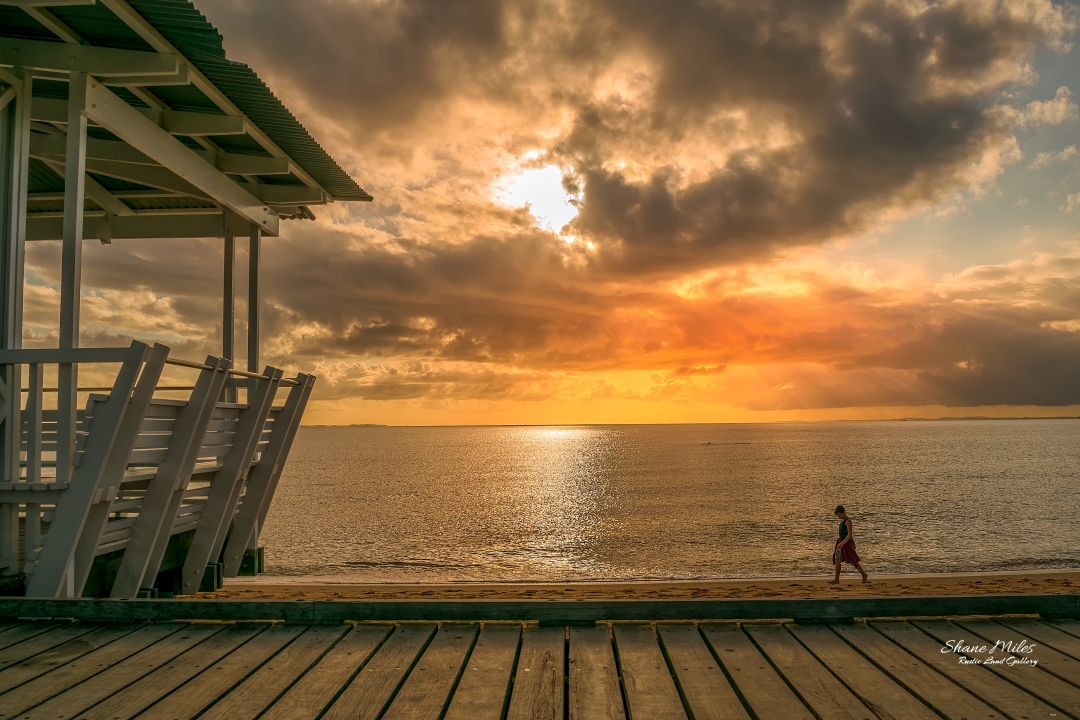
pixel 1034 581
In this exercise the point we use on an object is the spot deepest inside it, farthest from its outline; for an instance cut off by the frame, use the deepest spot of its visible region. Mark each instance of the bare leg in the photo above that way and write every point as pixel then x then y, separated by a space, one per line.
pixel 836 576
pixel 862 572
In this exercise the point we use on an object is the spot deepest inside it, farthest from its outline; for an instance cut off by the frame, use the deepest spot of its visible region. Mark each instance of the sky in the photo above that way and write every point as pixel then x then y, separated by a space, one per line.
pixel 608 211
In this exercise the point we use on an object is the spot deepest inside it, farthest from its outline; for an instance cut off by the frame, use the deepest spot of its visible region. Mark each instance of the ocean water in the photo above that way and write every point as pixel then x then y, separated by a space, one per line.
pixel 629 502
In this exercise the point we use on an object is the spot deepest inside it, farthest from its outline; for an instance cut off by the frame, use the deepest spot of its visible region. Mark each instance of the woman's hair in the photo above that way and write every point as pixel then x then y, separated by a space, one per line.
pixel 839 509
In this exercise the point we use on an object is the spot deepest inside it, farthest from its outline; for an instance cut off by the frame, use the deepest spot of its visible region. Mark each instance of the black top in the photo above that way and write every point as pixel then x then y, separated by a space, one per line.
pixel 843 529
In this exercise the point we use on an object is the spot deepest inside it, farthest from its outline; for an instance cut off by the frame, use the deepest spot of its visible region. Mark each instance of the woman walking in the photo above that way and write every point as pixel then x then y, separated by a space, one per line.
pixel 845 547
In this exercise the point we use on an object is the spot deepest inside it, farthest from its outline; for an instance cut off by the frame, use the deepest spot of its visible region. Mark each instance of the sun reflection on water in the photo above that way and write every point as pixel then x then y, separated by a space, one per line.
pixel 639 502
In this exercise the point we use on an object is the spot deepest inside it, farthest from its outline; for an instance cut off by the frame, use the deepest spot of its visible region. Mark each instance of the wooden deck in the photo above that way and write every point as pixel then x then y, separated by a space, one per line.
pixel 466 671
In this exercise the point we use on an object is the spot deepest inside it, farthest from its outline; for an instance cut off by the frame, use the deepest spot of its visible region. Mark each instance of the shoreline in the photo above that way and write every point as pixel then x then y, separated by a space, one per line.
pixel 888 585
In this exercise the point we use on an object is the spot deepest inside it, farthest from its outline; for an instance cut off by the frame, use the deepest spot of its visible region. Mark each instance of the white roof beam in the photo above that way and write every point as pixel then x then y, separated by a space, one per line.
pixel 131 126
pixel 53 23
pixel 157 41
pixel 94 190
pixel 155 176
pixel 287 194
pixel 181 78
pixel 97 61
pixel 54 110
pixel 131 227
pixel 45 3
pixel 123 194
pixel 7 96
pixel 52 147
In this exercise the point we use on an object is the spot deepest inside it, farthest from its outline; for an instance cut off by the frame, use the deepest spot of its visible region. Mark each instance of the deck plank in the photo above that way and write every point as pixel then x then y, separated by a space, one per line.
pixel 1069 626
pixel 538 682
pixel 199 692
pixel 1050 660
pixel 594 677
pixel 148 690
pixel 705 689
pixel 485 684
pixel 1049 688
pixel 313 692
pixel 26 631
pixel 930 686
pixel 259 690
pixel 426 692
pixel 884 697
pixel 650 689
pixel 44 662
pixel 1048 636
pixel 373 687
pixel 112 678
pixel 760 685
pixel 40 643
pixel 41 688
pixel 818 687
pixel 982 683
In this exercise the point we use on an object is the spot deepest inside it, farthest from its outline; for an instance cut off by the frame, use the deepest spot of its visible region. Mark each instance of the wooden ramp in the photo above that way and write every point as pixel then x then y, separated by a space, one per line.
pixel 496 671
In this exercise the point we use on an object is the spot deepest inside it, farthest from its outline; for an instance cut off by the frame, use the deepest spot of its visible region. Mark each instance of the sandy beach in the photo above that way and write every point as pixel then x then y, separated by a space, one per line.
pixel 1035 581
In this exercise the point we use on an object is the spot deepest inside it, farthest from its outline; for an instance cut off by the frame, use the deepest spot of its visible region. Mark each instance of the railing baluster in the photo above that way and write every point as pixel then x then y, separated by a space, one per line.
pixel 33 423
pixel 66 422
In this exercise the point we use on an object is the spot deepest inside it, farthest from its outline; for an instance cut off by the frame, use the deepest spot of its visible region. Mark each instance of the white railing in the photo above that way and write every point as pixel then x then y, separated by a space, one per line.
pixel 133 468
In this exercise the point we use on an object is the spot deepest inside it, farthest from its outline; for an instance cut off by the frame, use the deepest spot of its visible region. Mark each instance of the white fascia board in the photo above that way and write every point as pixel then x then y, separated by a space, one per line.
pixel 97 61
pixel 131 126
pixel 156 40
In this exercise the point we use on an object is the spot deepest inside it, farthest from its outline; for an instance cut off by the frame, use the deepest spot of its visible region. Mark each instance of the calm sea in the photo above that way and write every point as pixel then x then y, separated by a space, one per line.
pixel 673 501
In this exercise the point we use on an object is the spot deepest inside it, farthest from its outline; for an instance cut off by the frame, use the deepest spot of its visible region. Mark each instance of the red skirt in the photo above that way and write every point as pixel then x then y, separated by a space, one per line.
pixel 847 553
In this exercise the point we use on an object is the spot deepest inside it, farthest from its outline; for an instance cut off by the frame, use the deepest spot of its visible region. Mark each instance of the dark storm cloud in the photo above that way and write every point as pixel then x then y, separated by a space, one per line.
pixel 889 106
pixel 380 62
pixel 1004 358
pixel 883 103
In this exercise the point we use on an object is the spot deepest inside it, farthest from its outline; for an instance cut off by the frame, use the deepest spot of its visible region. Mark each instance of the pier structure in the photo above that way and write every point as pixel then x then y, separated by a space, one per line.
pixel 123 121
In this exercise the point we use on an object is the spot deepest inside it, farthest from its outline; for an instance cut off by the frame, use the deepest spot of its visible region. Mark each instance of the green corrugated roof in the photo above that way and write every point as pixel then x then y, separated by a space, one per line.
pixel 181 23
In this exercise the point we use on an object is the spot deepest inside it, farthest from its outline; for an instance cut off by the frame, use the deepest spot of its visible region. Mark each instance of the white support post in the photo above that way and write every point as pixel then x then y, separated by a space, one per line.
pixel 116 463
pixel 14 167
pixel 14 159
pixel 228 310
pixel 253 339
pixel 264 477
pixel 71 273
pixel 153 526
pixel 54 572
pixel 221 502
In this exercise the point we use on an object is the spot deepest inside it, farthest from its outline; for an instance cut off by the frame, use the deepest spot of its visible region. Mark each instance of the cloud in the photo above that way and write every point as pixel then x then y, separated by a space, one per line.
pixel 1046 159
pixel 1049 112
pixel 696 133
pixel 711 149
